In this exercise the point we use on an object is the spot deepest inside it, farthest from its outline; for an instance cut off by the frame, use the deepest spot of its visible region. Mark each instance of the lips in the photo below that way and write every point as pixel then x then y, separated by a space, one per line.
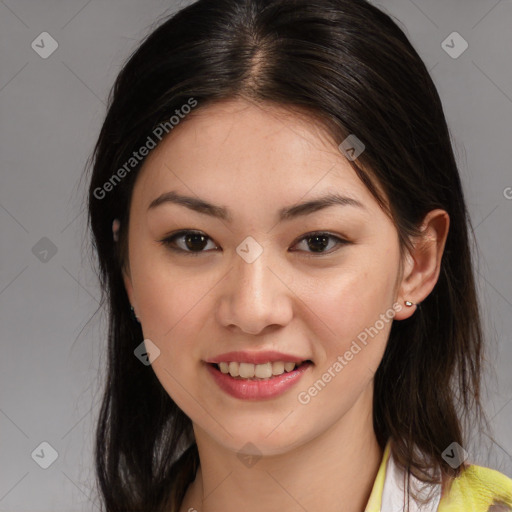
pixel 257 375
pixel 255 388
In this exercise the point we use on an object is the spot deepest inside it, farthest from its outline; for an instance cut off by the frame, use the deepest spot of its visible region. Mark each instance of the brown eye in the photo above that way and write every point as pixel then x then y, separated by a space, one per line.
pixel 192 242
pixel 318 242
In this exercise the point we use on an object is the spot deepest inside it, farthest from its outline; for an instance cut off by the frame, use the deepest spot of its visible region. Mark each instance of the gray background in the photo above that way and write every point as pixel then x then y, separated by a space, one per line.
pixel 51 111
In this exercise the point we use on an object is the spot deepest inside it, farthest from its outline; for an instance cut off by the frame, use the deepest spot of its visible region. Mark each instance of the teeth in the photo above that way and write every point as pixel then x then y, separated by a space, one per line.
pixel 263 371
pixel 277 368
pixel 246 370
pixel 288 367
pixel 260 371
pixel 233 369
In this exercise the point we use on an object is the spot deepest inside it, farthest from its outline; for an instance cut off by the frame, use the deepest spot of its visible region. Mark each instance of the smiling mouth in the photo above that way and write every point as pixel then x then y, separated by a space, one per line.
pixel 257 372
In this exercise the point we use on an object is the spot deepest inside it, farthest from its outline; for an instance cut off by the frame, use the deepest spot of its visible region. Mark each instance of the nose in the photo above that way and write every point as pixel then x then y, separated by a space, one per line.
pixel 255 297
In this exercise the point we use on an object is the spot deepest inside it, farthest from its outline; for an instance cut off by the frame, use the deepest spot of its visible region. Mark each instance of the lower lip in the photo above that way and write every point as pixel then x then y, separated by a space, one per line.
pixel 257 389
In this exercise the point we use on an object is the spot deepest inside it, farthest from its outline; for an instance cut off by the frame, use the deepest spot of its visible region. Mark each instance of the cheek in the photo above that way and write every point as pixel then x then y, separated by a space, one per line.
pixel 352 318
pixel 175 311
pixel 349 300
pixel 173 308
pixel 166 295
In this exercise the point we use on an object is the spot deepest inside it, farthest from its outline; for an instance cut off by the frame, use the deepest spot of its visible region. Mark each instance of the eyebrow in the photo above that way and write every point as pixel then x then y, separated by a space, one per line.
pixel 287 213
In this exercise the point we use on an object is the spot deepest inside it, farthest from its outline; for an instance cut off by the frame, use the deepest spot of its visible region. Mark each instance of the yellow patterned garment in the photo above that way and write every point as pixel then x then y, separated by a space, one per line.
pixel 477 489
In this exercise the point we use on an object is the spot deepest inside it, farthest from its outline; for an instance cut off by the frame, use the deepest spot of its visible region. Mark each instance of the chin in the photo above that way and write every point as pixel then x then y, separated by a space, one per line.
pixel 265 439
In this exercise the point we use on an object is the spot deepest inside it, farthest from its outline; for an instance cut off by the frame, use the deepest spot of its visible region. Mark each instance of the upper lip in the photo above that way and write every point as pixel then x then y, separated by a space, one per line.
pixel 241 356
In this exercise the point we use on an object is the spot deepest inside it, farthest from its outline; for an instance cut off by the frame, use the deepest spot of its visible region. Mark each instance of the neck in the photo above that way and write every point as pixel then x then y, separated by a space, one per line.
pixel 332 472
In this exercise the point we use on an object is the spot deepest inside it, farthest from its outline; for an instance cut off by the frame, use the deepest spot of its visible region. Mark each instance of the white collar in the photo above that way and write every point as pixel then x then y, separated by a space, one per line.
pixel 394 495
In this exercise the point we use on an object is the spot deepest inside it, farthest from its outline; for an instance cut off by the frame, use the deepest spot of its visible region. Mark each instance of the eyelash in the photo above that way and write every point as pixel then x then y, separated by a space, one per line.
pixel 168 241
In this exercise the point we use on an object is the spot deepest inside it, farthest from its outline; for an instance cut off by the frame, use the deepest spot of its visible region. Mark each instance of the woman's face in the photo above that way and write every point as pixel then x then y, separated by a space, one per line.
pixel 252 281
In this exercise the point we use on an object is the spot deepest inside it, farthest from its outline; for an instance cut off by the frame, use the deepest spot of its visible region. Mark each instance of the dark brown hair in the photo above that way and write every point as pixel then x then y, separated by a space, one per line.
pixel 349 65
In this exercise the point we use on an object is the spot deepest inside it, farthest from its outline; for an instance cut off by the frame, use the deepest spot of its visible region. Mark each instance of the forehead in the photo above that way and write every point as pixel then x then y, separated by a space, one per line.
pixel 240 149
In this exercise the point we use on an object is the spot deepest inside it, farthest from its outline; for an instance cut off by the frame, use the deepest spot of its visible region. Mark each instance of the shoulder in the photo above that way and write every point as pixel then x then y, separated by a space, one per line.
pixel 478 489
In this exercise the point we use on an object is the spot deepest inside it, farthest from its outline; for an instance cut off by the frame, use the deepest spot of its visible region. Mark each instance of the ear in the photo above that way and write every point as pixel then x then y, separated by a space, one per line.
pixel 422 265
pixel 125 267
pixel 128 284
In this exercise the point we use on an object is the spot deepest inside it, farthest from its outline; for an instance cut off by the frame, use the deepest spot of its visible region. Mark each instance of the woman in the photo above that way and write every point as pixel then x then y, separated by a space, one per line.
pixel 283 244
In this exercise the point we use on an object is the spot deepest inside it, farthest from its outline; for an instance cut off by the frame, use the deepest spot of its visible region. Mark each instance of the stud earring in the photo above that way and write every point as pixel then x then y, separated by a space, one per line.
pixel 134 316
pixel 409 304
pixel 115 230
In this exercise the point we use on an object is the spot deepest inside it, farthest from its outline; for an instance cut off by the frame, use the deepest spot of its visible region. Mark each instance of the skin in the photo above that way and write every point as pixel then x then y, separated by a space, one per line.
pixel 255 159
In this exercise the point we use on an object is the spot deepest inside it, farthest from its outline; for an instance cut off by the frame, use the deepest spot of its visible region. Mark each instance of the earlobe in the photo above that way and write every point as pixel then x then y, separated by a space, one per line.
pixel 128 284
pixel 129 291
pixel 423 263
pixel 124 267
